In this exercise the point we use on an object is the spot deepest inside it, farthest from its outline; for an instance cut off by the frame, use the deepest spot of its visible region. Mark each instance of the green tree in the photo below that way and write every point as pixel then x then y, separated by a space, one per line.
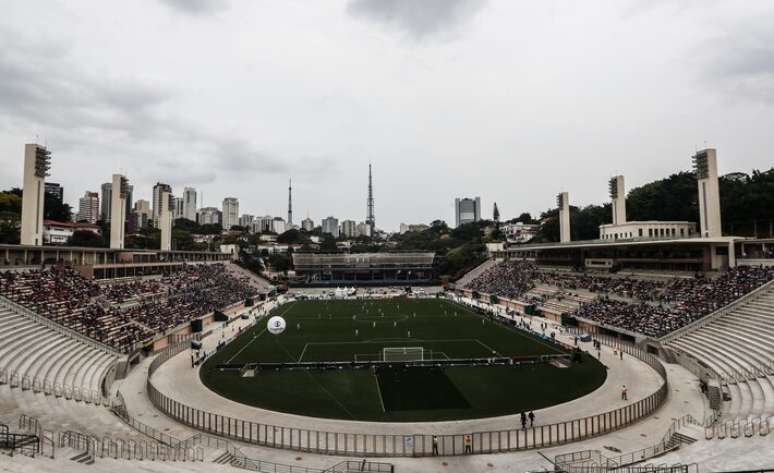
pixel 328 244
pixel 292 237
pixel 86 238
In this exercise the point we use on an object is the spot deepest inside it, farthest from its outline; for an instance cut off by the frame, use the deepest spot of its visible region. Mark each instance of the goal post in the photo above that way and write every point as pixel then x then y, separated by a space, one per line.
pixel 403 353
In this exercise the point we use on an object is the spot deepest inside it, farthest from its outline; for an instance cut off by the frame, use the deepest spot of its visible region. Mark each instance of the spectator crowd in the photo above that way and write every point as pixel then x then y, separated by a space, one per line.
pixel 653 307
pixel 121 314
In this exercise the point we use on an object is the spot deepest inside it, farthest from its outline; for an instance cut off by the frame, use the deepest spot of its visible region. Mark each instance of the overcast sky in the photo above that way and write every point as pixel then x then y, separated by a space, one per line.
pixel 512 101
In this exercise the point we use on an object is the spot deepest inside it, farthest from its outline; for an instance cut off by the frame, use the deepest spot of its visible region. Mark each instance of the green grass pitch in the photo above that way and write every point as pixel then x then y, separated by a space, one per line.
pixel 346 330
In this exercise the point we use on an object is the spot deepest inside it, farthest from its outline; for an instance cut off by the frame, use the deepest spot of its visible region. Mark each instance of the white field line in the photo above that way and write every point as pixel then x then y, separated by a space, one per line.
pixel 379 391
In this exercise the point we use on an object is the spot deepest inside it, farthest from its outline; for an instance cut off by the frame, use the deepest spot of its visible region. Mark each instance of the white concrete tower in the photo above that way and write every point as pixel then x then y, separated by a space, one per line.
pixel 37 162
pixel 705 164
pixel 118 195
pixel 563 202
pixel 618 197
pixel 165 220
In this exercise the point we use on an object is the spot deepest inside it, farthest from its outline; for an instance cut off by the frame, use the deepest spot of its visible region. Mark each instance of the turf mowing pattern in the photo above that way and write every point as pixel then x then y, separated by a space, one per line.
pixel 325 331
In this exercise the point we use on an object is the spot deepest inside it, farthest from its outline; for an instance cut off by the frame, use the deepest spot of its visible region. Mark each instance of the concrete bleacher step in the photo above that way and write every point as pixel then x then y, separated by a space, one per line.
pixel 47 370
pixel 25 357
pixel 743 353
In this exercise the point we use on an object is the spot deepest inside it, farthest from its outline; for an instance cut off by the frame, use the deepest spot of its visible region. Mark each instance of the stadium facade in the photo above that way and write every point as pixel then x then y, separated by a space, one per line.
pixel 315 269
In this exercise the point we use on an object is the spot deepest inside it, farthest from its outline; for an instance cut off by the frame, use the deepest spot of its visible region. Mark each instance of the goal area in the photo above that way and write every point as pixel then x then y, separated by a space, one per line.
pixel 403 353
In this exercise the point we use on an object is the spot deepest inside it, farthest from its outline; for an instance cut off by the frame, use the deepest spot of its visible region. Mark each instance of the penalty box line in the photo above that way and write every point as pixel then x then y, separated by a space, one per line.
pixel 378 341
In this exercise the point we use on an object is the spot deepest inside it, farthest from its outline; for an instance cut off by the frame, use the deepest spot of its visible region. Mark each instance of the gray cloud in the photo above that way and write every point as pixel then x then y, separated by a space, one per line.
pixel 238 156
pixel 741 61
pixel 41 88
pixel 197 7
pixel 418 19
pixel 40 85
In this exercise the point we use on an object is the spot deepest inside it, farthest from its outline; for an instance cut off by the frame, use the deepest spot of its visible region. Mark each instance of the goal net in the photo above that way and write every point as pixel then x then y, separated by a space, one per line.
pixel 403 354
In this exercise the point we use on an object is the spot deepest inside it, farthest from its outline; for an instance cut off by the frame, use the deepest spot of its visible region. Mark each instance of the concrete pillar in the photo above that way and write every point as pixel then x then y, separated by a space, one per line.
pixel 118 197
pixel 165 221
pixel 37 161
pixel 731 255
pixel 706 167
pixel 563 202
pixel 618 197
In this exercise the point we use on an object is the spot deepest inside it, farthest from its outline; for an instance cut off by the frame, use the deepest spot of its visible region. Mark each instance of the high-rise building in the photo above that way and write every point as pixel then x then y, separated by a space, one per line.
pixel 246 220
pixel 278 225
pixel 37 162
pixel 466 210
pixel 307 224
pixel 178 206
pixel 55 190
pixel 141 213
pixel 88 208
pixel 230 212
pixel 105 200
pixel 349 229
pixel 156 203
pixel 129 197
pixel 189 203
pixel 267 223
pixel 208 216
pixel 363 229
pixel 330 225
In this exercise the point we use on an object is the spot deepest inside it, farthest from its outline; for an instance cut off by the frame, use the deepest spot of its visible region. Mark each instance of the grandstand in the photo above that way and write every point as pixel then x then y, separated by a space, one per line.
pixel 60 380
pixel 640 307
pixel 125 315
pixel 316 269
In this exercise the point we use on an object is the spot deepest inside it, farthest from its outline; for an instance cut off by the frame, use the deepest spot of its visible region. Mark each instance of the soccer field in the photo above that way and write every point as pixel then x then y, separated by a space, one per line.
pixel 360 330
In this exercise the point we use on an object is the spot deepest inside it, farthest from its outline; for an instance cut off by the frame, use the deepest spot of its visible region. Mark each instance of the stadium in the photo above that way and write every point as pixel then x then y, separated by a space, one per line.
pixel 386 236
pixel 631 353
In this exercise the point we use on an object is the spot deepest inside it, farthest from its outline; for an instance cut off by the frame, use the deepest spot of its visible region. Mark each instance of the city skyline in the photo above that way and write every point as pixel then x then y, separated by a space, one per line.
pixel 464 97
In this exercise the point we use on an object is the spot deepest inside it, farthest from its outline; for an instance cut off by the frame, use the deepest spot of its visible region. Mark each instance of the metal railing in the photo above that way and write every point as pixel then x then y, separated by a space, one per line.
pixel 32 425
pixel 15 379
pixel 411 444
pixel 748 427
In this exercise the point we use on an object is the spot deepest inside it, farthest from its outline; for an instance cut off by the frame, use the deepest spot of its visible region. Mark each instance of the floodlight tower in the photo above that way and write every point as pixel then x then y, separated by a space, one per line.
pixel 618 197
pixel 705 165
pixel 37 162
pixel 165 221
pixel 119 194
pixel 563 202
